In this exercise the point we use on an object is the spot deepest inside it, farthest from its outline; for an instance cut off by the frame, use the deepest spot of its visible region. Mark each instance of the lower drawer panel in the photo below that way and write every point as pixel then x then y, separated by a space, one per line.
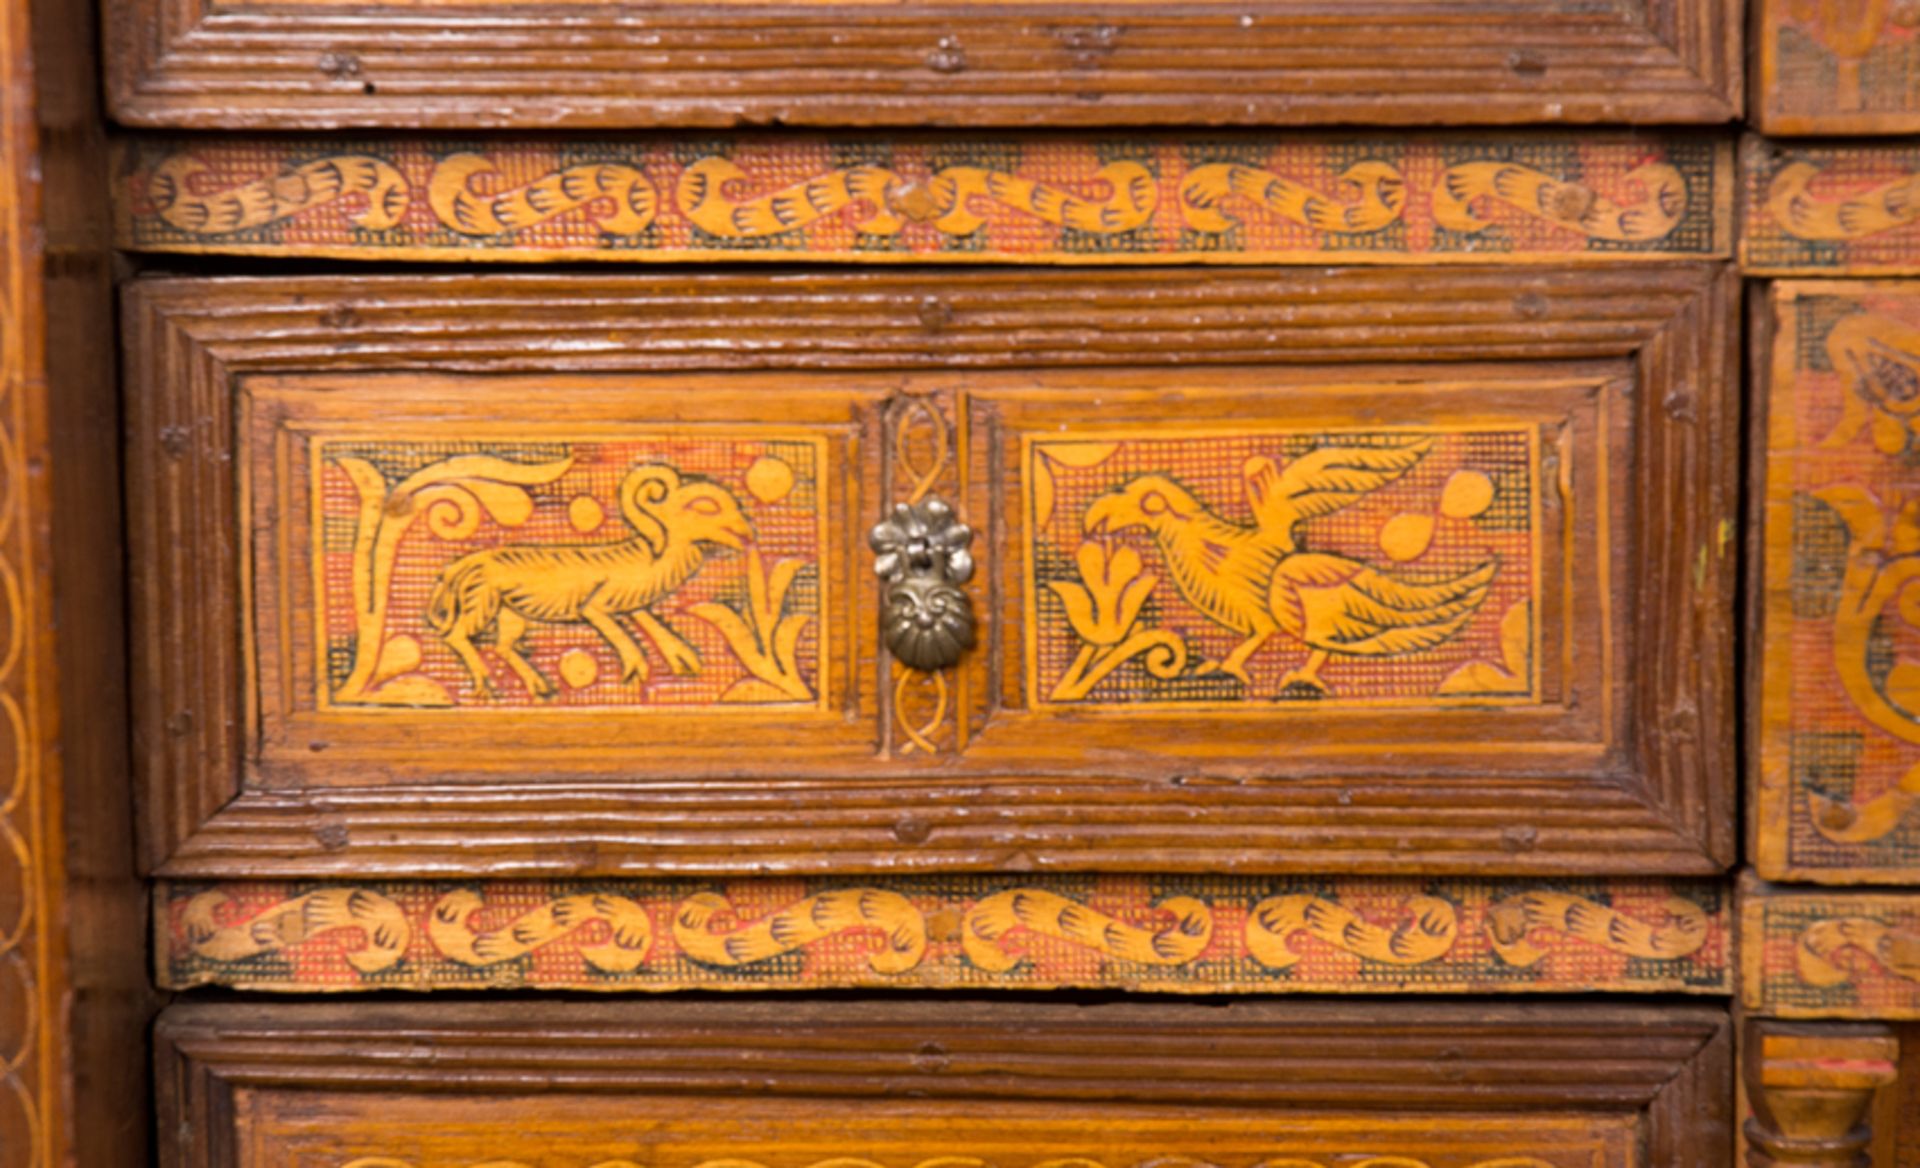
pixel 942 1084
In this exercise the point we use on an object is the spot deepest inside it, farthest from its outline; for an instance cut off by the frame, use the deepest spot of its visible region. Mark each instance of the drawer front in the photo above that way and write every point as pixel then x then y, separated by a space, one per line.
pixel 593 1087
pixel 1838 725
pixel 560 600
pixel 611 63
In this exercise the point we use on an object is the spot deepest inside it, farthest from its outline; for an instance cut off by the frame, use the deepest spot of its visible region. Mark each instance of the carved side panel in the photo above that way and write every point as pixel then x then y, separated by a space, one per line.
pixel 1094 199
pixel 1839 700
pixel 35 1043
pixel 1187 934
pixel 520 575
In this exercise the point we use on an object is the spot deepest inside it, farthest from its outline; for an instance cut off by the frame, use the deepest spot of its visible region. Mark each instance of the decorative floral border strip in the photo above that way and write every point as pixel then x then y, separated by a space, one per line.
pixel 1827 954
pixel 1194 934
pixel 1228 198
pixel 1830 208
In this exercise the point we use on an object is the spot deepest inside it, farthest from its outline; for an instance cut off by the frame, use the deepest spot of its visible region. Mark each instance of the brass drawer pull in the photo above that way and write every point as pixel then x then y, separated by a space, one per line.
pixel 921 552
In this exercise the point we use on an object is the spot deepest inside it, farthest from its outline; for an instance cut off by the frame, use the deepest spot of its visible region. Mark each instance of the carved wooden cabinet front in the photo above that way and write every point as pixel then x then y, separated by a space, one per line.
pixel 986 509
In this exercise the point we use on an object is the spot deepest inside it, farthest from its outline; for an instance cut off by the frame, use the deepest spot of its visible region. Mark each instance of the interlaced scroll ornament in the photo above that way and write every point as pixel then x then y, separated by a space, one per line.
pixel 1355 935
pixel 925 708
pixel 1149 197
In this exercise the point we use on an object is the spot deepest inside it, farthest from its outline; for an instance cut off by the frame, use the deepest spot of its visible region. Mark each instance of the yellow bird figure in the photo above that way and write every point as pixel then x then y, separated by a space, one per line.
pixel 1256 581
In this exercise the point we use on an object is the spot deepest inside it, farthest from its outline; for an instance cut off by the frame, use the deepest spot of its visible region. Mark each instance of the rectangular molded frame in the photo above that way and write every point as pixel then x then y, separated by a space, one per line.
pixel 271 64
pixel 1662 806
pixel 1458 1084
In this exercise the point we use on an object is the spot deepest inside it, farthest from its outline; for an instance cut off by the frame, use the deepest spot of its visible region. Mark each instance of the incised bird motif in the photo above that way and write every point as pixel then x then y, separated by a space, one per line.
pixel 1255 579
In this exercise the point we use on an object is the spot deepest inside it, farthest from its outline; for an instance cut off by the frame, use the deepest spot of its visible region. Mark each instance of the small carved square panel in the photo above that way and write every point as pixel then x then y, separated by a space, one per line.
pixel 583 568
pixel 1839 700
pixel 543 546
pixel 1394 566
pixel 1236 568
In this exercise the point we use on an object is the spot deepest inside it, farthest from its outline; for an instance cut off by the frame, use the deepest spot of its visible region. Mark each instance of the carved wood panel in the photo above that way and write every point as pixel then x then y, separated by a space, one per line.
pixel 613 63
pixel 863 198
pixel 1192 934
pixel 468 623
pixel 576 1086
pixel 1836 726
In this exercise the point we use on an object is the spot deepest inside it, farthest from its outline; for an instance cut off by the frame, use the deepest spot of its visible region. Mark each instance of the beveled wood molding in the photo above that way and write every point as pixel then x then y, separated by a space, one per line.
pixel 274 65
pixel 1214 197
pixel 1653 1085
pixel 1194 934
pixel 1662 805
pixel 1811 1087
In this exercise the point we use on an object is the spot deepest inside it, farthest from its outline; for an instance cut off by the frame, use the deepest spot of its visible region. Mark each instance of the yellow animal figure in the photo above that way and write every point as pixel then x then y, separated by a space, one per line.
pixel 507 587
pixel 1256 581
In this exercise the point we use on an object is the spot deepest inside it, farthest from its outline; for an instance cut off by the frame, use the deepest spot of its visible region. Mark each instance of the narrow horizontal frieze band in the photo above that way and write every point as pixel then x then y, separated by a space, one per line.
pixel 1833 208
pixel 1192 934
pixel 1829 953
pixel 1215 197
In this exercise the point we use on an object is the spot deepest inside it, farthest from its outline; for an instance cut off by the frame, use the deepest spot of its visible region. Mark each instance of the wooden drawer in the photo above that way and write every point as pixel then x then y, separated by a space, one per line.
pixel 954 1083
pixel 578 63
pixel 569 576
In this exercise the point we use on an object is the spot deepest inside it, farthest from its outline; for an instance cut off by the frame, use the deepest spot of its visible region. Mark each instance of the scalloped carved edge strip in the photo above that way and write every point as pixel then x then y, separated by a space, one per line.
pixel 36 1055
pixel 1196 933
pixel 1091 199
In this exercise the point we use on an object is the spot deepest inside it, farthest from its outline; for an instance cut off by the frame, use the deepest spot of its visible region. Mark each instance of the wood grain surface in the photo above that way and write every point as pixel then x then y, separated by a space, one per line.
pixel 603 63
pixel 995 786
pixel 791 1084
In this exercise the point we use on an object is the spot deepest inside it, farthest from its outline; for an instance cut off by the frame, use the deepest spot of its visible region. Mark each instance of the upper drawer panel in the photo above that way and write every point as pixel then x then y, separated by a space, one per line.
pixel 1379 198
pixel 612 63
pixel 572 576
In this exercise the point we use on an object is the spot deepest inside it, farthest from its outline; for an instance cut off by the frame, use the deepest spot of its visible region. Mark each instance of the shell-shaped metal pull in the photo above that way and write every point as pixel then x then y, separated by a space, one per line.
pixel 921 552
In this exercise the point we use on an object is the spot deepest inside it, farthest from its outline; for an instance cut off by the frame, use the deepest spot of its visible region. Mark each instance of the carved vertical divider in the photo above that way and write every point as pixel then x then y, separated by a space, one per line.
pixel 1811 1087
pixel 925 712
